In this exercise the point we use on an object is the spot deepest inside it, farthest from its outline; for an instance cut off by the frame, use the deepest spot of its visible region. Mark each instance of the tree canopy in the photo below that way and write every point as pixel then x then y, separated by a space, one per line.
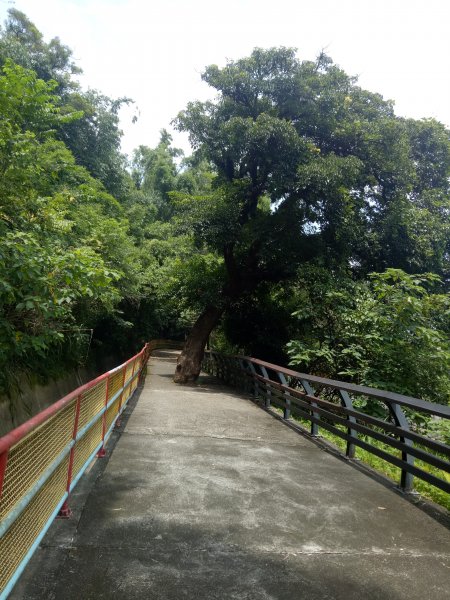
pixel 310 224
pixel 310 168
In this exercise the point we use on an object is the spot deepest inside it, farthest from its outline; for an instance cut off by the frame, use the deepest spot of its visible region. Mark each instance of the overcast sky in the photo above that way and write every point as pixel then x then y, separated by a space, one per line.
pixel 154 51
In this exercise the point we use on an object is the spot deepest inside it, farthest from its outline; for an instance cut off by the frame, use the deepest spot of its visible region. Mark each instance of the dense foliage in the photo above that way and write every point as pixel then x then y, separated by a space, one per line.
pixel 312 172
pixel 389 331
pixel 69 262
pixel 311 224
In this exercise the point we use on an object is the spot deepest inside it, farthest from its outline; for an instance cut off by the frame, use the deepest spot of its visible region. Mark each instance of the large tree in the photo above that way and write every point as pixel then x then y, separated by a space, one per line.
pixel 307 163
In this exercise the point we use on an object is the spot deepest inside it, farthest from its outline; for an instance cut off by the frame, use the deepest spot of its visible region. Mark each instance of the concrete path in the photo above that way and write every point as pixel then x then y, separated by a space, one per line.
pixel 206 496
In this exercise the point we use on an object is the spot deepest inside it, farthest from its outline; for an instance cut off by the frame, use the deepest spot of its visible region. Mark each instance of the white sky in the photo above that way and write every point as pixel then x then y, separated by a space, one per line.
pixel 154 51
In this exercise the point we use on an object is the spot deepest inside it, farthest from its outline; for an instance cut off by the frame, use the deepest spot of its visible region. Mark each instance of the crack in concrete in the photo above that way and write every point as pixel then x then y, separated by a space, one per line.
pixel 286 554
pixel 218 437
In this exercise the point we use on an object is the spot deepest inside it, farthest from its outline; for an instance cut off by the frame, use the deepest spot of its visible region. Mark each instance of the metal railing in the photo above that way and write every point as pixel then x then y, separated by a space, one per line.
pixel 42 460
pixel 357 414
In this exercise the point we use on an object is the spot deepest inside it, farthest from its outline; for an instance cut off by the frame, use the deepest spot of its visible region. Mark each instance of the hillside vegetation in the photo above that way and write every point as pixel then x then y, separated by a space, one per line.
pixel 309 226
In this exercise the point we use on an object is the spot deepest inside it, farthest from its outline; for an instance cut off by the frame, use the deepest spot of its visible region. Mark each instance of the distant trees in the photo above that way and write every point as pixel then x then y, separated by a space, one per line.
pixel 22 43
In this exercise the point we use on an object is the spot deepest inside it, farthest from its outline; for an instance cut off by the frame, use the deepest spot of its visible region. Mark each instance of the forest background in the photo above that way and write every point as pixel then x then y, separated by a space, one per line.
pixel 310 225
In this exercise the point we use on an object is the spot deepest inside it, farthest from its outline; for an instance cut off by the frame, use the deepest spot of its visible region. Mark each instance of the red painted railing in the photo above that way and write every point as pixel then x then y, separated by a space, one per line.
pixel 42 460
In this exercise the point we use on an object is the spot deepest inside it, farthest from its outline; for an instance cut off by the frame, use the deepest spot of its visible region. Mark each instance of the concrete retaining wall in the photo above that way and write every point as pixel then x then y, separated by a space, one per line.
pixel 33 397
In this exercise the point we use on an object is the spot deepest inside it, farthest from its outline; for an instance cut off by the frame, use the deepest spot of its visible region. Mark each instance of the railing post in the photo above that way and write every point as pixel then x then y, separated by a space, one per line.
pixel 406 479
pixel 308 389
pixel 65 511
pixel 287 408
pixel 234 372
pixel 267 387
pixel 141 372
pixel 214 366
pixel 145 359
pixel 243 379
pixel 346 401
pixel 255 381
pixel 133 371
pixel 228 372
pixel 118 420
pixel 218 372
pixel 3 463
pixel 102 452
pixel 205 360
pixel 132 379
pixel 222 368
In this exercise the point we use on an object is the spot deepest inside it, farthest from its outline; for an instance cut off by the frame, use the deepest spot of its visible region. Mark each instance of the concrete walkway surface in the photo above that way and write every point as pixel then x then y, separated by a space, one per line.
pixel 206 496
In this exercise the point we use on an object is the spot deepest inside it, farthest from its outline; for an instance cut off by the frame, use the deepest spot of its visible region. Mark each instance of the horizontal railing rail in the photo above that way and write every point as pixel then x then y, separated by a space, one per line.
pixel 338 407
pixel 42 460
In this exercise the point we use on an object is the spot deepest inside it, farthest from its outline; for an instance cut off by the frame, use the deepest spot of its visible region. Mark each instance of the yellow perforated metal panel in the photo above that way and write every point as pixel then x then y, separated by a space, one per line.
pixel 111 413
pixel 134 383
pixel 125 395
pixel 86 446
pixel 129 372
pixel 115 383
pixel 138 364
pixel 30 457
pixel 16 542
pixel 127 392
pixel 91 403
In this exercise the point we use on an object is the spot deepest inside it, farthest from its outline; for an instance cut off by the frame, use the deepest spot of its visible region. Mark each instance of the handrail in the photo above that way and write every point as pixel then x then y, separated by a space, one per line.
pixel 300 394
pixel 21 431
pixel 42 460
pixel 415 403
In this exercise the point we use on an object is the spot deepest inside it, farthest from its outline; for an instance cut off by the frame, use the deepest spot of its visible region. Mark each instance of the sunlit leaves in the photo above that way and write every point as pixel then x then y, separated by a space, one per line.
pixel 66 259
pixel 390 332
pixel 40 286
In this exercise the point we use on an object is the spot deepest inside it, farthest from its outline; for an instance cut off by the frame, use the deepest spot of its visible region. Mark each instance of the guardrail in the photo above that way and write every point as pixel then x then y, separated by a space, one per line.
pixel 337 407
pixel 42 460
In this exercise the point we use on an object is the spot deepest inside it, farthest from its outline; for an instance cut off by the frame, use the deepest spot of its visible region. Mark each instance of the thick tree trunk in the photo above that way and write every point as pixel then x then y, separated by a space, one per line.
pixel 190 360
